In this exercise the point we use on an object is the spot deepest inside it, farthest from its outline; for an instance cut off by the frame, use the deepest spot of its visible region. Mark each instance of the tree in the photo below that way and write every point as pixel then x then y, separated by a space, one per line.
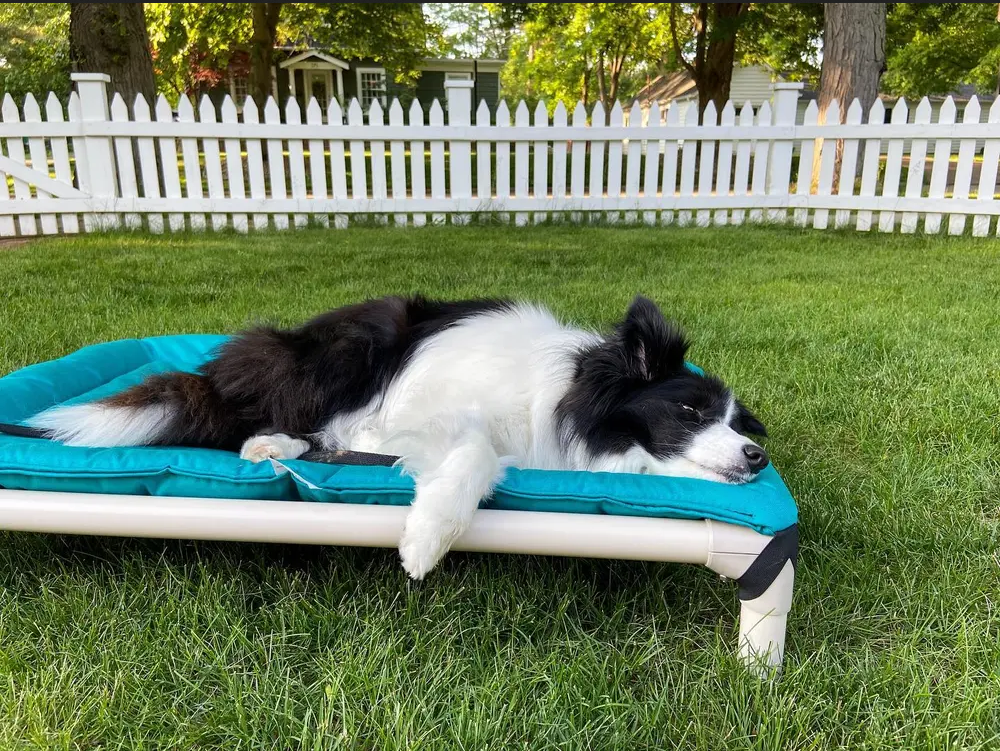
pixel 713 28
pixel 34 48
pixel 786 37
pixel 573 52
pixel 265 28
pixel 853 54
pixel 111 38
pixel 931 48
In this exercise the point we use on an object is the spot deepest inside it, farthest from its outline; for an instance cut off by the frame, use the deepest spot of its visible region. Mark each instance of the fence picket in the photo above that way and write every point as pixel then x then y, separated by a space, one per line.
pixel 276 160
pixel 168 161
pixel 559 155
pixel 963 170
pixel 807 152
pixel 418 162
pixel 521 162
pixel 437 157
pixel 849 165
pixel 503 157
pixel 614 185
pixel 234 163
pixel 669 186
pixel 596 157
pixel 213 163
pixel 634 159
pixel 741 176
pixel 988 176
pixel 40 161
pixel 827 163
pixel 338 167
pixel 893 167
pixel 869 170
pixel 758 186
pixel 192 163
pixel 706 166
pixel 60 159
pixel 939 171
pixel 15 152
pixel 484 178
pixel 689 153
pixel 397 150
pixel 725 164
pixel 376 116
pixel 317 160
pixel 651 173
pixel 125 162
pixel 255 163
pixel 359 173
pixel 916 167
pixel 540 187
pixel 579 158
pixel 296 159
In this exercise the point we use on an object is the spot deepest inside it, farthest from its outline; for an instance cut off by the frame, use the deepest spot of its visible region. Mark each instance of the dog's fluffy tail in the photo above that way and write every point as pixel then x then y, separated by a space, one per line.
pixel 169 408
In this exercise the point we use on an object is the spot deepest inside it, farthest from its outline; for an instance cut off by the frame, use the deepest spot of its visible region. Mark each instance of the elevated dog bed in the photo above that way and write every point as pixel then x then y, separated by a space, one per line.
pixel 745 532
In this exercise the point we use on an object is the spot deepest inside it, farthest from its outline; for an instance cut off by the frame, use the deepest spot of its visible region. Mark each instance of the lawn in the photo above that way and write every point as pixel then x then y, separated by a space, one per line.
pixel 873 360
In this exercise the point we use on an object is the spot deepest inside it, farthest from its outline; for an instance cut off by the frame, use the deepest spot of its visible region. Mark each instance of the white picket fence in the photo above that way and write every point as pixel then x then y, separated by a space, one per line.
pixel 224 169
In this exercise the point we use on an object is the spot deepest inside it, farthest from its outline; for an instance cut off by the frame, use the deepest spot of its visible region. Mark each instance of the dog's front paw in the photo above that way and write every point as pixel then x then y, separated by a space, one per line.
pixel 276 446
pixel 424 543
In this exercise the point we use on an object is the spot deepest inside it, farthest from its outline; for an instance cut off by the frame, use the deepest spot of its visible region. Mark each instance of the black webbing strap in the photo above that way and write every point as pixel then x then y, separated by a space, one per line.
pixel 783 547
pixel 355 458
pixel 21 431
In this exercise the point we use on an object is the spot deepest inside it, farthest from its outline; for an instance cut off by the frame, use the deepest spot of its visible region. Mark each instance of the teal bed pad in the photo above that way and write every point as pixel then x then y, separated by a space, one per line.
pixel 100 370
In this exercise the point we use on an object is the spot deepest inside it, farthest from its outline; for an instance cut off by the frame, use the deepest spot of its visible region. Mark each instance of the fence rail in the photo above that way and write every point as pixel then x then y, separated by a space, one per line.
pixel 102 164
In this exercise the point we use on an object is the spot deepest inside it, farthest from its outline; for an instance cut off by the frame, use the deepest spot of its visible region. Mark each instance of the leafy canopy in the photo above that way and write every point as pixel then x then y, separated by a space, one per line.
pixel 34 49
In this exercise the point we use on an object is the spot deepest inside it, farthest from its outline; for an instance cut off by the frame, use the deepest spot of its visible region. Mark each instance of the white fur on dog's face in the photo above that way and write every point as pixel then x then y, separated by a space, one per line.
pixel 716 453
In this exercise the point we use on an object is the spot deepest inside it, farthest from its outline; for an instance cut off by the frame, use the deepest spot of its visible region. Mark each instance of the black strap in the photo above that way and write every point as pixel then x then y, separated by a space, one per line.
pixel 783 547
pixel 21 431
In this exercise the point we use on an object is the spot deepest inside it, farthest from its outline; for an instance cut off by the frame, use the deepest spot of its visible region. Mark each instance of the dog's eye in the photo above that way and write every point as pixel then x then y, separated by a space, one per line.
pixel 687 407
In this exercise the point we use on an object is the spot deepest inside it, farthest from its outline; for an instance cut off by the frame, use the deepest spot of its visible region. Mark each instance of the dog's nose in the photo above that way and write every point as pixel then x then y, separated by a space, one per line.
pixel 756 457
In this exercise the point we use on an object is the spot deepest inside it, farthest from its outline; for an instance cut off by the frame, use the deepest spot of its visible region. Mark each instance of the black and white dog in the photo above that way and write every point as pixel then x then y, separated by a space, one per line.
pixel 459 390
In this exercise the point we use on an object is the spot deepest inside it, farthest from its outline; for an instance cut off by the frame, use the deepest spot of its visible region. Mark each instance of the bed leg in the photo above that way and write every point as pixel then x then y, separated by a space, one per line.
pixel 762 623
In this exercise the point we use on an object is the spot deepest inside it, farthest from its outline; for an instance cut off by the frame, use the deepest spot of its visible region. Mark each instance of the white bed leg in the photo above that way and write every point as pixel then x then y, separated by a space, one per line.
pixel 762 623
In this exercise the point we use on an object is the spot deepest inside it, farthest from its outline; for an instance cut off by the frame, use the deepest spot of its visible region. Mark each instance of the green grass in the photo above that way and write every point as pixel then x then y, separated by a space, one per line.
pixel 873 359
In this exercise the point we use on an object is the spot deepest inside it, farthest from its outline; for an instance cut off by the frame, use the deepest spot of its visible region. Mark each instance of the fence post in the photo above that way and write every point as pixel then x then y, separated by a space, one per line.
pixel 786 103
pixel 459 99
pixel 96 170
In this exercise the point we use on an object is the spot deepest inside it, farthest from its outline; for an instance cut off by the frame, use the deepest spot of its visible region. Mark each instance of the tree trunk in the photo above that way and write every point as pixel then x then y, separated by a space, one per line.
pixel 853 58
pixel 715 71
pixel 111 38
pixel 265 26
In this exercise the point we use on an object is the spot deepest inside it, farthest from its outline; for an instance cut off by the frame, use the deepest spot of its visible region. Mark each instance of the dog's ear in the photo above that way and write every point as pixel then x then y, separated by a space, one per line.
pixel 746 422
pixel 653 348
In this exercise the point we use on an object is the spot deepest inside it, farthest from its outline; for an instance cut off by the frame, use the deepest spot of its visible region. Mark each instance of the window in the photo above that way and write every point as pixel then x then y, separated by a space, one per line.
pixel 371 86
pixel 241 87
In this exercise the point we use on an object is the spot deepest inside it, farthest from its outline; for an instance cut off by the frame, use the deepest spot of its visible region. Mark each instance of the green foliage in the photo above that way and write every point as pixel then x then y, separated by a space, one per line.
pixel 471 29
pixel 787 37
pixel 34 49
pixel 565 49
pixel 933 47
pixel 194 43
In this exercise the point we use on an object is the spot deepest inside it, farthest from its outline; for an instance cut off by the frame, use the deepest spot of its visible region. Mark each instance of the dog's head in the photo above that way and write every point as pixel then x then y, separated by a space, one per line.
pixel 634 406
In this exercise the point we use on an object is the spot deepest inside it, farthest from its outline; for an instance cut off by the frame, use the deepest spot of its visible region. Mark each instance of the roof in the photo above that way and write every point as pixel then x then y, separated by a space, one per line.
pixel 667 87
pixel 334 61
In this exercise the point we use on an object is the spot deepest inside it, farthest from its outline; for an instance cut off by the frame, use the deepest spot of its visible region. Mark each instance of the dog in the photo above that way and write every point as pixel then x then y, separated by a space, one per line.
pixel 460 390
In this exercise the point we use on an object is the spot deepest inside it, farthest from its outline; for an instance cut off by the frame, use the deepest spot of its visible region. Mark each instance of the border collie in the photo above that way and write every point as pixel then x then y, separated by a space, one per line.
pixel 458 390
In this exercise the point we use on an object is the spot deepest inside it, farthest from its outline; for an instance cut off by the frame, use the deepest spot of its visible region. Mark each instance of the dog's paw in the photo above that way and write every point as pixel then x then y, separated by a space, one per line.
pixel 276 446
pixel 424 543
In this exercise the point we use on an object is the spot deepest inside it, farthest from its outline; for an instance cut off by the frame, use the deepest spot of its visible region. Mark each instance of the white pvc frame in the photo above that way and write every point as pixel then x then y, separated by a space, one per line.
pixel 725 548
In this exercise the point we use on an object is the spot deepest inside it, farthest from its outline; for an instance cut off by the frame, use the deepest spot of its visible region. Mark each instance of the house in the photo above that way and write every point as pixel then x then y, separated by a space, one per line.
pixel 304 74
pixel 750 83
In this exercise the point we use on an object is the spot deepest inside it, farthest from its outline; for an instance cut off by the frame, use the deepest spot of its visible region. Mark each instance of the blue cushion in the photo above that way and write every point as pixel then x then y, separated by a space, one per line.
pixel 103 369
